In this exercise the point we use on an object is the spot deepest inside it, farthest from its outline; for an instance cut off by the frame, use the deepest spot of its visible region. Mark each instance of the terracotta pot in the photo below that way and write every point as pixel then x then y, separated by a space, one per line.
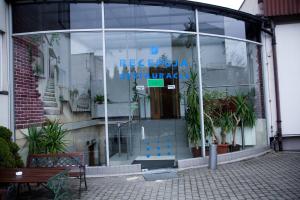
pixel 232 148
pixel 196 152
pixel 222 148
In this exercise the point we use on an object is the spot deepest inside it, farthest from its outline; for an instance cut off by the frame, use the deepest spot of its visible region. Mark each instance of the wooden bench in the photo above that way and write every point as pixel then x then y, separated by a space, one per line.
pixel 74 162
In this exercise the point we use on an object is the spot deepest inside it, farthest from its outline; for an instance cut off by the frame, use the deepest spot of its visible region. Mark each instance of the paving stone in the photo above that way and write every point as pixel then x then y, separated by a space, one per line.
pixel 272 176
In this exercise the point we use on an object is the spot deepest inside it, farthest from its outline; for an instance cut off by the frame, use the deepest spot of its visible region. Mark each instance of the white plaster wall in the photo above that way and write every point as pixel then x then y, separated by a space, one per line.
pixel 4 116
pixel 252 7
pixel 288 51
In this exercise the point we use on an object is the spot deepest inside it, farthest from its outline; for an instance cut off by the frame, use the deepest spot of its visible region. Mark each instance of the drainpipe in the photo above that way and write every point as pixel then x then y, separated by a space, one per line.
pixel 277 94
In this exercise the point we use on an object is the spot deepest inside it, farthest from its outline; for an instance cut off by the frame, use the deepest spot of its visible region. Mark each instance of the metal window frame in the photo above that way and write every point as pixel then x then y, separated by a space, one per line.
pixel 137 30
pixel 200 88
pixel 105 87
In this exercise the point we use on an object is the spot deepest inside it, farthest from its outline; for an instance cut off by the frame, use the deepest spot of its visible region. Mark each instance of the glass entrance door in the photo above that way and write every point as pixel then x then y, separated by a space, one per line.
pixel 146 84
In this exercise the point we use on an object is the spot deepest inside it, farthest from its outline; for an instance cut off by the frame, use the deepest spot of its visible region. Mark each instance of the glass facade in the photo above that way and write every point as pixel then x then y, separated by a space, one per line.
pixel 129 93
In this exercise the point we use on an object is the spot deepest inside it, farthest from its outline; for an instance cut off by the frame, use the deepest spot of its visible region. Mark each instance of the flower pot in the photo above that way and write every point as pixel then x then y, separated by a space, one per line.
pixel 232 148
pixel 222 148
pixel 198 152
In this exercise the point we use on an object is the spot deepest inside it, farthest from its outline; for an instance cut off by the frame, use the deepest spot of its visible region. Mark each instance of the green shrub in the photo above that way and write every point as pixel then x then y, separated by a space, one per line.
pixel 9 157
pixel 5 133
pixel 6 157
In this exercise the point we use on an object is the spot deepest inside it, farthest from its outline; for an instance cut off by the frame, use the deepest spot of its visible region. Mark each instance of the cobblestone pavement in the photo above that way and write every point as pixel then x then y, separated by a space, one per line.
pixel 272 176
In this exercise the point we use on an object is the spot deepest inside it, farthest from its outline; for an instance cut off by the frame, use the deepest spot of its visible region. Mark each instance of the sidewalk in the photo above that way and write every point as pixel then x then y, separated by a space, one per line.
pixel 272 176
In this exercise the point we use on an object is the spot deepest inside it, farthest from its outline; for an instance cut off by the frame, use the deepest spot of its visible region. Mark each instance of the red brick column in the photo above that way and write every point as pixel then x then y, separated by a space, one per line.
pixel 28 105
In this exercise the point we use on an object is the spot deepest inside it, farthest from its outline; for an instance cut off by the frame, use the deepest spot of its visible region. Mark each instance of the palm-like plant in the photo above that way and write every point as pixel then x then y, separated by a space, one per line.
pixel 212 113
pixel 226 123
pixel 244 115
pixel 34 139
pixel 193 110
pixel 54 137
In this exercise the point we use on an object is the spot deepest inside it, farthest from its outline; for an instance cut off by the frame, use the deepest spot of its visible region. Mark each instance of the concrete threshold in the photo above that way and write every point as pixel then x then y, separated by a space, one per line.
pixel 135 169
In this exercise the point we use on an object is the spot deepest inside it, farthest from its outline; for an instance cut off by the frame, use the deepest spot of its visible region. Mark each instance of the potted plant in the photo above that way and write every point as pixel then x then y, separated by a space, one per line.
pixel 244 116
pixel 53 137
pixel 34 140
pixel 226 124
pixel 99 99
pixel 211 114
pixel 193 114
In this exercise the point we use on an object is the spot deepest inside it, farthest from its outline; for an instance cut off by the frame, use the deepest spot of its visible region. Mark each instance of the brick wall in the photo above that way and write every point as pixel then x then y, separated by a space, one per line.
pixel 28 106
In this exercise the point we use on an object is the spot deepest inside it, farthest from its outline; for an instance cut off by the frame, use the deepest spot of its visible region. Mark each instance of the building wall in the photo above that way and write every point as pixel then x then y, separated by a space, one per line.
pixel 4 98
pixel 288 51
pixel 255 8
pixel 252 7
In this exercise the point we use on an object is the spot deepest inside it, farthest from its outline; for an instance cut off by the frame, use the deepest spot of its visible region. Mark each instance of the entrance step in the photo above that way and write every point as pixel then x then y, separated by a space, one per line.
pixel 51 111
pixel 46 98
pixel 155 162
pixel 49 104
pixel 49 94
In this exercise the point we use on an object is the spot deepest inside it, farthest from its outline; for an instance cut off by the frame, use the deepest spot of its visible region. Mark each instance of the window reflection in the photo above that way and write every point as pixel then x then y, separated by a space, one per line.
pixel 221 25
pixel 64 75
pixel 151 17
pixel 55 16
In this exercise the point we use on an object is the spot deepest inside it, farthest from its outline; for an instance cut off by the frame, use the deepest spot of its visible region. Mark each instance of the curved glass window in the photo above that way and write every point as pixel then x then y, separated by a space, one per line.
pixel 149 17
pixel 231 72
pixel 222 25
pixel 55 16
pixel 127 95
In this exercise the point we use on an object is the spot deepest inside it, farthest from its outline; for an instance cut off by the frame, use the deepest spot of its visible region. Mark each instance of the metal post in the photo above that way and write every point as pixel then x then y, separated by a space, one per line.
pixel 104 87
pixel 213 158
pixel 200 87
pixel 243 134
pixel 119 138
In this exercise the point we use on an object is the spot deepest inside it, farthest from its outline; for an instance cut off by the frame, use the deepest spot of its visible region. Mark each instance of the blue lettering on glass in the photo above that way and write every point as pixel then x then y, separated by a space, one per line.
pixel 162 62
pixel 154 50
pixel 141 63
pixel 122 63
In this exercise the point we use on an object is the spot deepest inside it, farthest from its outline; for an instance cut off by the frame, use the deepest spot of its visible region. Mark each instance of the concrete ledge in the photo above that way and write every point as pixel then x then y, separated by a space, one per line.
pixel 102 171
pixel 224 158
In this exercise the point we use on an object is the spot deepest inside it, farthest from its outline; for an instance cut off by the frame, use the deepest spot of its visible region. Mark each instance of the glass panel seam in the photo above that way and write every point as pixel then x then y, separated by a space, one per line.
pixel 141 30
pixel 57 31
pixel 105 88
pixel 229 37
pixel 149 30
pixel 200 87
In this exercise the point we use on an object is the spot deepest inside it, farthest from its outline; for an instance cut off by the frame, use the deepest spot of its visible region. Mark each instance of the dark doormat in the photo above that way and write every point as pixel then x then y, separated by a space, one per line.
pixel 160 175
pixel 155 164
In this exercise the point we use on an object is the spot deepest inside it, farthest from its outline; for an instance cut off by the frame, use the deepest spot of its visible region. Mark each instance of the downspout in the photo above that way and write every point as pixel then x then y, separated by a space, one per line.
pixel 276 80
